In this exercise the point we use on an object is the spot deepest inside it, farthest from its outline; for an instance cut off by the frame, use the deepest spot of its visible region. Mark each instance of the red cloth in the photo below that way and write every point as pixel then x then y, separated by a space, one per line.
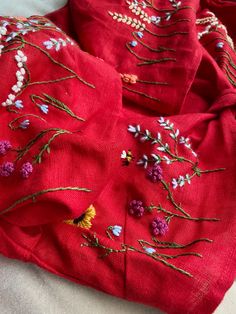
pixel 190 82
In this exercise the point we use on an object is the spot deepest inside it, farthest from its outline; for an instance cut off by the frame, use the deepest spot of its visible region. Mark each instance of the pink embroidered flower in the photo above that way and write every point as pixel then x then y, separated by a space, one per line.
pixel 6 169
pixel 154 174
pixel 136 208
pixel 4 147
pixel 129 78
pixel 26 170
pixel 159 226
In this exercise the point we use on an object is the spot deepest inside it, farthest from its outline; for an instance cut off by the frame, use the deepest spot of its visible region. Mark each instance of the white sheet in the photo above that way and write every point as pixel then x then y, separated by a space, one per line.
pixel 26 289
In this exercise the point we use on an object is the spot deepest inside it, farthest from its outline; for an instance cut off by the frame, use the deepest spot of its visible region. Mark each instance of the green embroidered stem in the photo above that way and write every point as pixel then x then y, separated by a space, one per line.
pixel 52 81
pixel 174 245
pixel 56 62
pixel 93 241
pixel 23 151
pixel 161 209
pixel 172 24
pixel 141 94
pixel 148 61
pixel 171 198
pixel 11 124
pixel 152 83
pixel 46 147
pixel 55 103
pixel 33 196
pixel 166 35
pixel 170 245
pixel 160 49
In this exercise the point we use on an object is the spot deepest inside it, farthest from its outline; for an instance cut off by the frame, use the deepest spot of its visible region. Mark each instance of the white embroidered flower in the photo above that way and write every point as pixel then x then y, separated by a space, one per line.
pixel 149 250
pixel 163 148
pixel 134 129
pixel 116 230
pixel 146 136
pixel 143 162
pixel 174 183
pixel 3 31
pixel 1 48
pixel 156 158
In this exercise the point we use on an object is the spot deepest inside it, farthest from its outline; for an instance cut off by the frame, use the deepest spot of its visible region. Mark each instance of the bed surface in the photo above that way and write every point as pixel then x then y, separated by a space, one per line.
pixel 27 289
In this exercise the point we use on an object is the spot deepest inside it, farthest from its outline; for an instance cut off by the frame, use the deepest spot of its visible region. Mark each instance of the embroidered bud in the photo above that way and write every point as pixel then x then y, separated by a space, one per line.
pixel 6 169
pixel 136 208
pixel 26 170
pixel 116 230
pixel 159 226
pixel 25 124
pixel 154 174
pixel 4 147
pixel 129 78
pixel 133 43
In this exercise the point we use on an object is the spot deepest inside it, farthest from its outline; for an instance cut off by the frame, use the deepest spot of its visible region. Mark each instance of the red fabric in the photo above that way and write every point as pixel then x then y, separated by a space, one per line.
pixel 198 96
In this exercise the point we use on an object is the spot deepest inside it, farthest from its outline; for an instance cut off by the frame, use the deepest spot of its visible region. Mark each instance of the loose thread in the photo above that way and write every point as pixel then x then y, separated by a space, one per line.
pixel 39 193
pixel 141 94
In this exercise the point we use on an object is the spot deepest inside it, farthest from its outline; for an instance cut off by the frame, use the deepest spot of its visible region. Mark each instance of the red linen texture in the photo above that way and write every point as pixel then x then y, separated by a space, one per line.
pixel 117 148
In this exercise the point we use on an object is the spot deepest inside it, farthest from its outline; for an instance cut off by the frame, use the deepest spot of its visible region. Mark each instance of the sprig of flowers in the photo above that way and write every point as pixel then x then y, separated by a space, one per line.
pixel 21 59
pixel 57 43
pixel 135 23
pixel 137 10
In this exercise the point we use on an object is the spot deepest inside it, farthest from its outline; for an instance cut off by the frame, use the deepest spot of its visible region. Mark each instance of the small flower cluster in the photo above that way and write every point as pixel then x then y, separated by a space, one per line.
pixel 57 43
pixel 181 181
pixel 168 15
pixel 129 78
pixel 134 23
pixel 158 225
pixel 3 31
pixel 8 168
pixel 135 7
pixel 20 73
pixel 154 173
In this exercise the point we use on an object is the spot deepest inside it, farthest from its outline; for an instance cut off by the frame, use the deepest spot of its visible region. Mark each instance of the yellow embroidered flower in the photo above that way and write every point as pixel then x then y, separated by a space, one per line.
pixel 83 221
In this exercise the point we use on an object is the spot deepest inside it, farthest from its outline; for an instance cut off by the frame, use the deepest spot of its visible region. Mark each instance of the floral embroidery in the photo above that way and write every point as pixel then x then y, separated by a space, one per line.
pixel 148 248
pixel 159 226
pixel 127 157
pixel 5 146
pixel 116 231
pixel 26 170
pixel 6 169
pixel 57 43
pixel 83 221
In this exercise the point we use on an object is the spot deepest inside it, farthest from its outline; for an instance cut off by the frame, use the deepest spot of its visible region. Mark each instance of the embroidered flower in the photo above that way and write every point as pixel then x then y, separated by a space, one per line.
pixel 129 78
pixel 84 221
pixel 4 147
pixel 149 250
pixel 127 157
pixel 116 230
pixel 136 208
pixel 44 108
pixel 143 161
pixel 133 43
pixel 154 174
pixel 140 34
pixel 159 226
pixel 3 31
pixel 155 19
pixel 24 124
pixel 220 45
pixel 6 169
pixel 19 104
pixel 26 170
pixel 134 129
pixel 1 48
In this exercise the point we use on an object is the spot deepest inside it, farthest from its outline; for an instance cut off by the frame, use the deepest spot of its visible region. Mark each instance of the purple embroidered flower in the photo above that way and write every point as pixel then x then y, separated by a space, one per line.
pixel 136 208
pixel 133 43
pixel 4 147
pixel 24 124
pixel 26 170
pixel 6 169
pixel 154 174
pixel 159 226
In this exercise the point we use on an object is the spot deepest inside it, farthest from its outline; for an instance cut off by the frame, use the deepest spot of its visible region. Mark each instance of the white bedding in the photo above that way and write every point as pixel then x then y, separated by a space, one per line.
pixel 26 289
